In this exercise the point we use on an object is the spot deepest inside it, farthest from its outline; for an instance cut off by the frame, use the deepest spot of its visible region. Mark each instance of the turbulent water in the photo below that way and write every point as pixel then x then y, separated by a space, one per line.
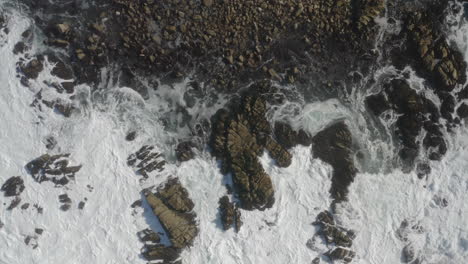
pixel 380 198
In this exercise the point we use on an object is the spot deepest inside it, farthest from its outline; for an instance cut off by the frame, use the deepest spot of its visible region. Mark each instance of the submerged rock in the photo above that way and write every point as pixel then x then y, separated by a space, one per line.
pixel 343 254
pixel 32 69
pixel 13 186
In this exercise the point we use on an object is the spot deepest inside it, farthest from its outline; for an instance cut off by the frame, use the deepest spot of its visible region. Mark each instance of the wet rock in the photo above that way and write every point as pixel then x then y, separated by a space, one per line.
pixel 377 103
pixel 146 160
pixel 437 60
pixel 32 69
pixel 238 138
pixel 137 203
pixel 343 254
pixel 159 252
pixel 172 206
pixel 423 170
pixel 333 145
pixel 462 110
pixel 1 224
pixel 230 214
pixel 408 254
pixel 316 261
pixel 81 205
pixel 14 203
pixel 289 138
pixel 131 136
pixel 332 233
pixel 50 142
pixel 53 168
pixel 24 206
pixel 13 186
pixel 63 198
pixel 39 231
pixel 20 47
pixel 31 241
pixel 184 151
pixel 62 71
pixel 148 236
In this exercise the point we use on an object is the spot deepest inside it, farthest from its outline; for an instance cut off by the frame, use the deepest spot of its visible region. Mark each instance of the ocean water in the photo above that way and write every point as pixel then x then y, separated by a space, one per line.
pixel 380 199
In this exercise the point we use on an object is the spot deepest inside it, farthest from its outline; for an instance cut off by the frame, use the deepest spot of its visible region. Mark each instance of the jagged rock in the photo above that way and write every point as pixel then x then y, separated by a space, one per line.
pixel 238 138
pixel 146 160
pixel 14 203
pixel 184 151
pixel 13 186
pixel 289 138
pixel 175 196
pixel 332 233
pixel 159 252
pixel 171 205
pixel 341 254
pixel 333 145
pixel 416 113
pixel 230 214
pixel 53 168
pixel 63 198
pixel 64 72
pixel 462 110
pixel 437 59
pixel 32 69
pixel 149 236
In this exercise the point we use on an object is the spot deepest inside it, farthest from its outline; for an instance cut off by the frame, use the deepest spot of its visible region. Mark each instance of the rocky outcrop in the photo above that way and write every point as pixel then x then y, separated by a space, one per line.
pixel 146 160
pixel 230 214
pixel 53 168
pixel 415 114
pixel 438 61
pixel 32 68
pixel 184 151
pixel 287 137
pixel 173 208
pixel 238 138
pixel 13 186
pixel 333 145
pixel 336 237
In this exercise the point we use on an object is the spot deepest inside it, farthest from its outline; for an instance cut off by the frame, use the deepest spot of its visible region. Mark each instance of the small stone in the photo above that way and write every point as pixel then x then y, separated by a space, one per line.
pixel 39 231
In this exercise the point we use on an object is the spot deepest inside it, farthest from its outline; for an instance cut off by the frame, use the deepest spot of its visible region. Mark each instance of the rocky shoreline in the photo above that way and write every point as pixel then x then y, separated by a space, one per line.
pixel 246 49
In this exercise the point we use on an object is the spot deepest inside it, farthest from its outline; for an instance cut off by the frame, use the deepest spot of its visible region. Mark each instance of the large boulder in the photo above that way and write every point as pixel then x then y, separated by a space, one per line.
pixel 230 214
pixel 333 145
pixel 13 186
pixel 172 206
pixel 239 137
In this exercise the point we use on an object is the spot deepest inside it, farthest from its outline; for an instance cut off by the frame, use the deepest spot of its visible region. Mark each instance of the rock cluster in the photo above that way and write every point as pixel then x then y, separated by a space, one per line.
pixel 333 145
pixel 415 114
pixel 239 136
pixel 184 151
pixel 173 208
pixel 438 61
pixel 146 160
pixel 14 186
pixel 65 201
pixel 53 168
pixel 288 137
pixel 335 236
pixel 230 214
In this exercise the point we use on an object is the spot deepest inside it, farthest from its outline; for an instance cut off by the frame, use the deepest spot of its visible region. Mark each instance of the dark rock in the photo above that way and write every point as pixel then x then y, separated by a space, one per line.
pixel 184 151
pixel 32 69
pixel 333 145
pixel 20 47
pixel 159 252
pixel 131 136
pixel 341 254
pixel 332 233
pixel 81 205
pixel 148 235
pixel 146 160
pixel 408 254
pixel 238 138
pixel 448 106
pixel 136 204
pixel 65 207
pixel 13 186
pixel 230 214
pixel 52 168
pixel 377 103
pixel 63 198
pixel 316 261
pixel 51 142
pixel 462 110
pixel 14 203
pixel 423 170
pixel 39 231
pixel 175 196
pixel 289 138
